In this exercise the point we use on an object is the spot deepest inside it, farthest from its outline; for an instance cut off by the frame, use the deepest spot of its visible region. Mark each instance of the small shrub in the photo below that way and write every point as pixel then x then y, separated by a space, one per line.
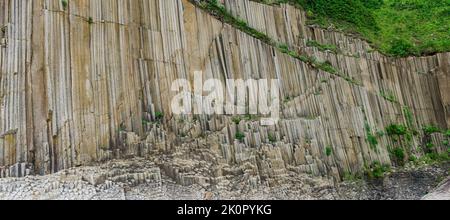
pixel 399 154
pixel 287 99
pixel 272 138
pixel 412 158
pixel 431 129
pixel 159 116
pixel 408 116
pixel 329 151
pixel 395 129
pixel 236 120
pixel 64 4
pixel 240 136
pixel 377 170
pixel 326 66
pixel 371 138
pixel 284 48
pixel 380 133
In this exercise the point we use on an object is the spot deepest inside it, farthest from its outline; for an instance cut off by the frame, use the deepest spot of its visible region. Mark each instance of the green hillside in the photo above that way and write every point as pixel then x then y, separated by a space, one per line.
pixel 395 27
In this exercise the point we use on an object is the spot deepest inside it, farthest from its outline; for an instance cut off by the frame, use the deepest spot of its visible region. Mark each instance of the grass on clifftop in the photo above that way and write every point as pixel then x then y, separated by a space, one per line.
pixel 395 27
pixel 218 10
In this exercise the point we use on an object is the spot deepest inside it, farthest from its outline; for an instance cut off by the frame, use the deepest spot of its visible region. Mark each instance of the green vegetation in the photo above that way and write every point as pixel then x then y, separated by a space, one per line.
pixel 219 11
pixel 432 158
pixel 236 120
pixel 396 130
pixel 412 158
pixel 350 177
pixel 395 27
pixel 64 4
pixel 284 48
pixel 409 117
pixel 377 170
pixel 323 47
pixel 159 116
pixel 272 138
pixel 399 155
pixel 287 99
pixel 372 138
pixel 399 132
pixel 431 129
pixel 403 135
pixel 90 20
pixel 240 136
pixel 146 122
pixel 389 96
pixel 329 151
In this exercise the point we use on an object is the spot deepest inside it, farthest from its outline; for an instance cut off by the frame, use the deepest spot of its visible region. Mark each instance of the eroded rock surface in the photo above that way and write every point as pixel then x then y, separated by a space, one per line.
pixel 440 193
pixel 139 179
pixel 91 81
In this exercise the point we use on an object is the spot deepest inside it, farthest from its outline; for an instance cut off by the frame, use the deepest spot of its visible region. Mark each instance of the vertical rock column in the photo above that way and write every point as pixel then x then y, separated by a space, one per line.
pixel 15 57
pixel 74 76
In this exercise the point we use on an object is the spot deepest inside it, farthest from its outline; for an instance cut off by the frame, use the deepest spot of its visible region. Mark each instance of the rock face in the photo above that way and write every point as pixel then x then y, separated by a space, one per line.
pixel 138 179
pixel 441 193
pixel 90 81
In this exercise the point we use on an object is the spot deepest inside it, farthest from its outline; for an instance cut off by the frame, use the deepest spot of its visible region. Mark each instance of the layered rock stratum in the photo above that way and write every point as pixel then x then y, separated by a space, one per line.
pixel 90 81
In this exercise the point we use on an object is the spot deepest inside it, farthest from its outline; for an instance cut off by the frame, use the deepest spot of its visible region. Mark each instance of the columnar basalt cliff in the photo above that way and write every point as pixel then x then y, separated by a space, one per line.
pixel 90 80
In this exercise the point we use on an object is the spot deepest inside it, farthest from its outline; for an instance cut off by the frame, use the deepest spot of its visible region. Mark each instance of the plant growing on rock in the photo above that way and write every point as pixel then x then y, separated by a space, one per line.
pixel 350 177
pixel 159 116
pixel 389 96
pixel 146 122
pixel 372 139
pixel 64 4
pixel 236 120
pixel 396 130
pixel 240 136
pixel 377 170
pixel 396 28
pixel 447 133
pixel 329 151
pixel 399 155
pixel 272 138
pixel 323 47
pixel 431 129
